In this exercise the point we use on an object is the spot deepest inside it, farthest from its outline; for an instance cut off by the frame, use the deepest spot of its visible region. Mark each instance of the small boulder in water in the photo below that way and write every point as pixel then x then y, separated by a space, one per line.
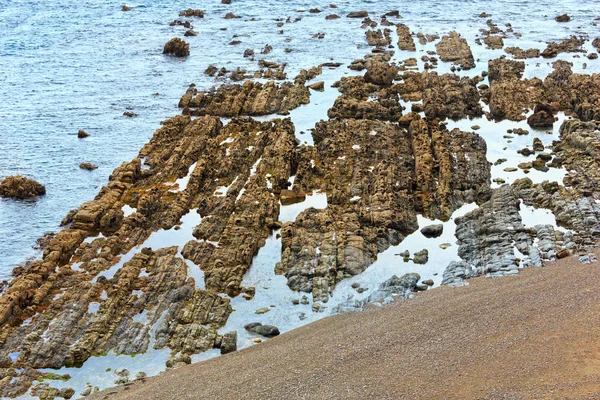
pixel 20 187
pixel 177 48
pixel 562 18
pixel 263 330
pixel 82 134
pixel 125 8
pixel 432 231
pixel 87 166
pixel 192 13
pixel 229 342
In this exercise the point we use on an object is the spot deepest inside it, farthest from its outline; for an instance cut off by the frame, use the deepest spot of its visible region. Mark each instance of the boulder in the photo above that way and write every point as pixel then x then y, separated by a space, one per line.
pixel 421 257
pixel 229 342
pixel 562 18
pixel 380 73
pixel 192 13
pixel 358 14
pixel 263 330
pixel 87 166
pixel 432 231
pixel 81 134
pixel 317 86
pixel 20 187
pixel 177 47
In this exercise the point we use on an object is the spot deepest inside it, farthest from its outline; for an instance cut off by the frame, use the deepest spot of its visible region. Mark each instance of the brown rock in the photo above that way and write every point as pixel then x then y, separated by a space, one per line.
pixel 81 134
pixel 455 49
pixel 87 166
pixel 358 14
pixel 20 187
pixel 177 48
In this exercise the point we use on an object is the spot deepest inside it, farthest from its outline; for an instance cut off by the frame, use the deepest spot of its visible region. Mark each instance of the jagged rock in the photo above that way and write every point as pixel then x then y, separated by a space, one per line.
pixel 501 69
pixel 45 392
pixel 571 45
pixel 493 42
pixel 378 37
pixel 20 187
pixel 450 96
pixel 349 235
pixel 405 40
pixel 421 257
pixel 192 13
pixel 251 98
pixel 455 49
pixel 537 145
pixel 177 48
pixel 432 231
pixel 263 330
pixel 402 287
pixel 81 323
pixel 87 166
pixel 519 53
pixel 229 342
pixel 190 32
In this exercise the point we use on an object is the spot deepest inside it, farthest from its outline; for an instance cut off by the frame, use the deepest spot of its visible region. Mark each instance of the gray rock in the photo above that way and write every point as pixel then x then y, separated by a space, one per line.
pixel 263 330
pixel 432 231
pixel 229 342
pixel 402 287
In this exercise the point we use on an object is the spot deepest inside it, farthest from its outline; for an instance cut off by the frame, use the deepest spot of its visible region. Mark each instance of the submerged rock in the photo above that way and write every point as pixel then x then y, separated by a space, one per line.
pixel 20 187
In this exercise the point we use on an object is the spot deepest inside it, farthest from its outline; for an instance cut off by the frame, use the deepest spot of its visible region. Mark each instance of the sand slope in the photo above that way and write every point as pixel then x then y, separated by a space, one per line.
pixel 536 335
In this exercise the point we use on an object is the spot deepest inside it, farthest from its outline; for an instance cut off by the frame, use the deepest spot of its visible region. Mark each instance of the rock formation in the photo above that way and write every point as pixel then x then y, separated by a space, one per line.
pixel 20 187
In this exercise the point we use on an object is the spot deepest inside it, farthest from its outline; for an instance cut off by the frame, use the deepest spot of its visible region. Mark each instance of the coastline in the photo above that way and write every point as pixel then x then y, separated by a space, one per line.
pixel 519 337
pixel 284 200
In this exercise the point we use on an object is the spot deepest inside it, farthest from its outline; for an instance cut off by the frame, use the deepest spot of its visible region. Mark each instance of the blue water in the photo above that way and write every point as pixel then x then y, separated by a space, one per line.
pixel 67 65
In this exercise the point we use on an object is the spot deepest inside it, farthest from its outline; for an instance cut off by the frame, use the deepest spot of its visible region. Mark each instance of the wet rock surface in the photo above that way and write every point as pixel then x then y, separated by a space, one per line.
pixel 453 48
pixel 250 98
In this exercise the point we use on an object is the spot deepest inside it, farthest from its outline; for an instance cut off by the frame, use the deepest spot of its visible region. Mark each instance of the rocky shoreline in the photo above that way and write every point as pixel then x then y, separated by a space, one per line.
pixel 215 179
